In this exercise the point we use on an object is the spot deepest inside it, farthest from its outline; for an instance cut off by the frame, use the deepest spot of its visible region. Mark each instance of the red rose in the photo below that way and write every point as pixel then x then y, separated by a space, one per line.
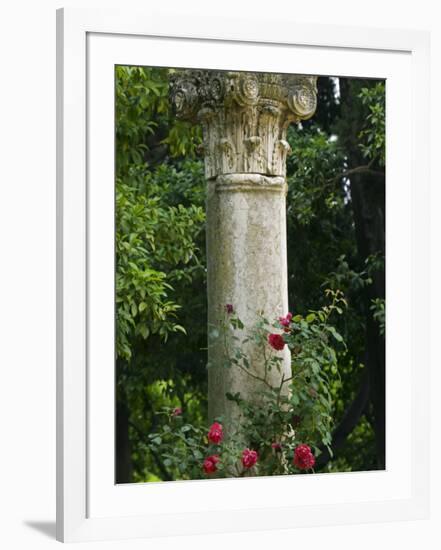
pixel 215 433
pixel 303 457
pixel 249 458
pixel 210 464
pixel 276 341
pixel 229 308
pixel 276 446
pixel 285 321
pixel 177 411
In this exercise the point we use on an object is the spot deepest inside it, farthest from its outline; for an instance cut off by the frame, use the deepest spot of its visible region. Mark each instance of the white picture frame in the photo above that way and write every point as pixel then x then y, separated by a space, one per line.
pixel 89 505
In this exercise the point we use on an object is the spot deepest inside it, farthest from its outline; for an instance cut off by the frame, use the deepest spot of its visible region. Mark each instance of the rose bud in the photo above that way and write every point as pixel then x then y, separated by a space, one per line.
pixel 296 420
pixel 285 321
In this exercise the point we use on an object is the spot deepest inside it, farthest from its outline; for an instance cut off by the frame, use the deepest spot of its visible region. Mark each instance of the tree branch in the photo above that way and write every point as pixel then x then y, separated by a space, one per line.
pixel 364 169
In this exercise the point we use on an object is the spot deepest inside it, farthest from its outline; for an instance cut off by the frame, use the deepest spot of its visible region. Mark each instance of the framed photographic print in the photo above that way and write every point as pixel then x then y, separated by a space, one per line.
pixel 242 275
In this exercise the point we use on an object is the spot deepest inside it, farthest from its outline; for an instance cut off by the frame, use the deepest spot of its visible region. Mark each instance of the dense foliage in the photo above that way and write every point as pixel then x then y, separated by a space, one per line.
pixel 292 416
pixel 335 213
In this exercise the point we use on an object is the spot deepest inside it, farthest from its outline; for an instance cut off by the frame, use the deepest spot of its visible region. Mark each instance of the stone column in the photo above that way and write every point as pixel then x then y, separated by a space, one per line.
pixel 244 118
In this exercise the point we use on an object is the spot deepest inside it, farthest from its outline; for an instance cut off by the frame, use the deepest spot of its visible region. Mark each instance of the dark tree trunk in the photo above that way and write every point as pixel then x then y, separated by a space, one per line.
pixel 123 458
pixel 368 203
pixel 368 206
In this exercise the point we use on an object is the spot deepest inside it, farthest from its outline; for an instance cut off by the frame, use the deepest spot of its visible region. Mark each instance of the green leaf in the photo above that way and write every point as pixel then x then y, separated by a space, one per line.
pixel 295 399
pixel 180 329
pixel 144 331
pixel 334 333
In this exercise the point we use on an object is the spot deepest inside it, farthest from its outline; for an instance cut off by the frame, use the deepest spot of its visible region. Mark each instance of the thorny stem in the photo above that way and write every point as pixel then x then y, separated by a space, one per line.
pixel 263 380
pixel 280 389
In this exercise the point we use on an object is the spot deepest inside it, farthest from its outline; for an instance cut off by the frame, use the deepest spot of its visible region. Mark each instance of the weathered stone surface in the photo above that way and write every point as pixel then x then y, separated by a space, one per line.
pixel 247 267
pixel 244 118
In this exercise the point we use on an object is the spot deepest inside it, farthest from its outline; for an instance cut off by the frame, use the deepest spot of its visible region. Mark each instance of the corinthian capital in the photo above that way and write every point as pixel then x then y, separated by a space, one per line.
pixel 244 116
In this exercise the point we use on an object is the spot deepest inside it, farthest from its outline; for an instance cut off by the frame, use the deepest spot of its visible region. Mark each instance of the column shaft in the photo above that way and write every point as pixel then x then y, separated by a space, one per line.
pixel 247 268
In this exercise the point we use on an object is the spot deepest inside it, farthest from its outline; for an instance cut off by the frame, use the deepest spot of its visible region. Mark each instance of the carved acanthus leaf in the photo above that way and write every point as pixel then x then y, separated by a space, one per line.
pixel 244 116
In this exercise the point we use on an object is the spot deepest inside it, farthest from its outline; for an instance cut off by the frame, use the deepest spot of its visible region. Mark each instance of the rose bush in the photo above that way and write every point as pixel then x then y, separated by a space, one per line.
pixel 286 427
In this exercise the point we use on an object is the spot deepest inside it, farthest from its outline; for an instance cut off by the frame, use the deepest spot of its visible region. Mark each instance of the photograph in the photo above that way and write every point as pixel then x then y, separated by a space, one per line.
pixel 199 225
pixel 249 274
